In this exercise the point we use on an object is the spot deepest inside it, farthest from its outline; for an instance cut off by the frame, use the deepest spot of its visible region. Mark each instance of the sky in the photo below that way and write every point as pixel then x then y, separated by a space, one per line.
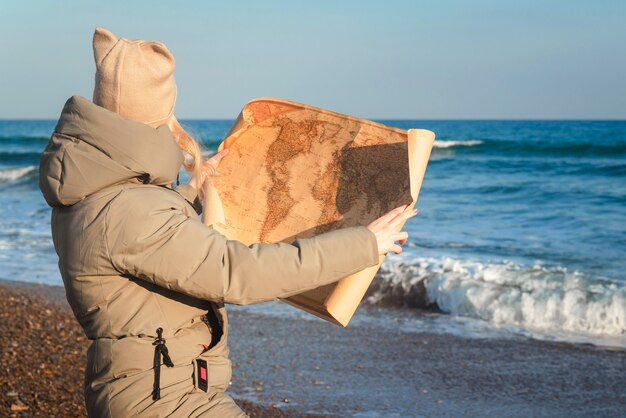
pixel 480 59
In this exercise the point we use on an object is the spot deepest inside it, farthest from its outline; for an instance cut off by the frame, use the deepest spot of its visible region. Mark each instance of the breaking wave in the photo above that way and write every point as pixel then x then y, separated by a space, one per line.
pixel 548 301
pixel 450 144
pixel 12 174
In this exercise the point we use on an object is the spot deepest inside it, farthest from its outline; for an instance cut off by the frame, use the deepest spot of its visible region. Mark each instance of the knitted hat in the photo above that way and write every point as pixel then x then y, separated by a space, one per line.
pixel 134 78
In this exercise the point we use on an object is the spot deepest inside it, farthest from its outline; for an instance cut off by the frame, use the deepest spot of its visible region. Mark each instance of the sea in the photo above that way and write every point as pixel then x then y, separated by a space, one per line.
pixel 521 230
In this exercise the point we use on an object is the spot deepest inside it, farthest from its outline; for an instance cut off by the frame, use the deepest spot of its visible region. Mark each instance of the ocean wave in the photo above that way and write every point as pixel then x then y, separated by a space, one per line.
pixel 456 143
pixel 12 174
pixel 24 139
pixel 547 301
pixel 19 157
pixel 577 149
pixel 548 148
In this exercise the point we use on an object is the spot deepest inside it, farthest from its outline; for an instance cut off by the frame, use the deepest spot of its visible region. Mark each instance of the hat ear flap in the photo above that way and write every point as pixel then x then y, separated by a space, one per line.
pixel 103 41
pixel 159 56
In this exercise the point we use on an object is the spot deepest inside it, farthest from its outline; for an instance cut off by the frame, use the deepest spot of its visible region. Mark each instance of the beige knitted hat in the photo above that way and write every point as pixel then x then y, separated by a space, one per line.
pixel 134 78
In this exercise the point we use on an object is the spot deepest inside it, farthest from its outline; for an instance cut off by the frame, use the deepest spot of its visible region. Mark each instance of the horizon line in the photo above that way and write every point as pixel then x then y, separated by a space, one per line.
pixel 2 119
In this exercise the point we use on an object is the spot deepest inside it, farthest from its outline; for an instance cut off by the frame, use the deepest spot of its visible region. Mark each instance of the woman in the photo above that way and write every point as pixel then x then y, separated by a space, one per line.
pixel 145 278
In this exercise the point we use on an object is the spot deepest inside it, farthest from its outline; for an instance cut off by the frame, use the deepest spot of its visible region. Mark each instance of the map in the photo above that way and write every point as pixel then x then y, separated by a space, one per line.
pixel 294 171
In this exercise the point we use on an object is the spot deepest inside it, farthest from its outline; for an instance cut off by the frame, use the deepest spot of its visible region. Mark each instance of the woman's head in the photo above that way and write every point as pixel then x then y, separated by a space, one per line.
pixel 135 78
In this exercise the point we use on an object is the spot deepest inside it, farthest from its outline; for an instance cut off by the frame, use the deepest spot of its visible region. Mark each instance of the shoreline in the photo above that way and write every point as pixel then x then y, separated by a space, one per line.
pixel 359 371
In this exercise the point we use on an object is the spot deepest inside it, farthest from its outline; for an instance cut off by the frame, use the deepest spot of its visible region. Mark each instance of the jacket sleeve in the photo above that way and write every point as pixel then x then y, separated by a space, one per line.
pixel 160 243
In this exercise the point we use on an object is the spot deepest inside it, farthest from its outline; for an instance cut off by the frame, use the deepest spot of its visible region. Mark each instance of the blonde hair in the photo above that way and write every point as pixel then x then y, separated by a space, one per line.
pixel 190 146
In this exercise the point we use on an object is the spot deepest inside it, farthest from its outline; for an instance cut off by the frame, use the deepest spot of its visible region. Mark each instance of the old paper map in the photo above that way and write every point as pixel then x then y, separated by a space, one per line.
pixel 294 171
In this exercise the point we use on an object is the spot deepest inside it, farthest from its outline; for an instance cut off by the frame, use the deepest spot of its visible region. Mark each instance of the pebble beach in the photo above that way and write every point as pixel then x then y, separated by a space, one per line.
pixel 43 352
pixel 293 368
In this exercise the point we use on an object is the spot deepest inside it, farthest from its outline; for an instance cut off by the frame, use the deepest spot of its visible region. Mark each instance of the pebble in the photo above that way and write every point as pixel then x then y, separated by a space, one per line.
pixel 17 407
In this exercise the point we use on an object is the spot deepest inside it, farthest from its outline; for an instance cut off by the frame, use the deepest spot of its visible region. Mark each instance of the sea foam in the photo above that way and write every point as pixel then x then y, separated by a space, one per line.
pixel 536 299
pixel 456 143
pixel 12 174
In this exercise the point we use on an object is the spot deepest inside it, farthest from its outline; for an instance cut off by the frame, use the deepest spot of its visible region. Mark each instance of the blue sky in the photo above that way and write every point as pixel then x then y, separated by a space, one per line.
pixel 376 59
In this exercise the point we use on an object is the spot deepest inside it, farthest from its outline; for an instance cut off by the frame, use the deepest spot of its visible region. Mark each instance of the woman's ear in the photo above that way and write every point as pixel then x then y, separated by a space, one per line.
pixel 103 41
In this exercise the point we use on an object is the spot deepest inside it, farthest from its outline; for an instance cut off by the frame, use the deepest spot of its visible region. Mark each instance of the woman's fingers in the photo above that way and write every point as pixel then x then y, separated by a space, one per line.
pixel 208 170
pixel 401 237
pixel 388 216
pixel 215 159
pixel 392 213
pixel 394 222
pixel 386 229
pixel 219 155
pixel 400 217
pixel 210 165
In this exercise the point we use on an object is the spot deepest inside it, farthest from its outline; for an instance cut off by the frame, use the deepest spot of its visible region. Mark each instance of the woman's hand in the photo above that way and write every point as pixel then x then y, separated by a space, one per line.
pixel 209 168
pixel 385 230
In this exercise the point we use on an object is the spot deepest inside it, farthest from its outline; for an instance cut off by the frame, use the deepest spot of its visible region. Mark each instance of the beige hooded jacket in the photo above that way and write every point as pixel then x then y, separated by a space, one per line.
pixel 134 257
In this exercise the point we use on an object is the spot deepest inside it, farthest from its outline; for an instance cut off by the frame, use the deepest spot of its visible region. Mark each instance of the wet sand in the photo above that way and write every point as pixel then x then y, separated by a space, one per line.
pixel 371 372
pixel 288 367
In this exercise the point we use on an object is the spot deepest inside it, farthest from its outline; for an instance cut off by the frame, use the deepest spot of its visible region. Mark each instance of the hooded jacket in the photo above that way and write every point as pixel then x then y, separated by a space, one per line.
pixel 134 256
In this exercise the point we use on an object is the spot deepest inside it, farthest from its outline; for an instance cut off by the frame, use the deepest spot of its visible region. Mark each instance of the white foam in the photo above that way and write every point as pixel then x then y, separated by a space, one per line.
pixel 12 174
pixel 449 144
pixel 536 300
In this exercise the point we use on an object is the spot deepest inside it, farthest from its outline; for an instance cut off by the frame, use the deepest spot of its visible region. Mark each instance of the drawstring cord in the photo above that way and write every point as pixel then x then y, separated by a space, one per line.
pixel 159 349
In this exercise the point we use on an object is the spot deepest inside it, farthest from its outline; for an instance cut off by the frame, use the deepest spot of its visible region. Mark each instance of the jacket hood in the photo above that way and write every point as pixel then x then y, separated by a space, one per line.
pixel 93 148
